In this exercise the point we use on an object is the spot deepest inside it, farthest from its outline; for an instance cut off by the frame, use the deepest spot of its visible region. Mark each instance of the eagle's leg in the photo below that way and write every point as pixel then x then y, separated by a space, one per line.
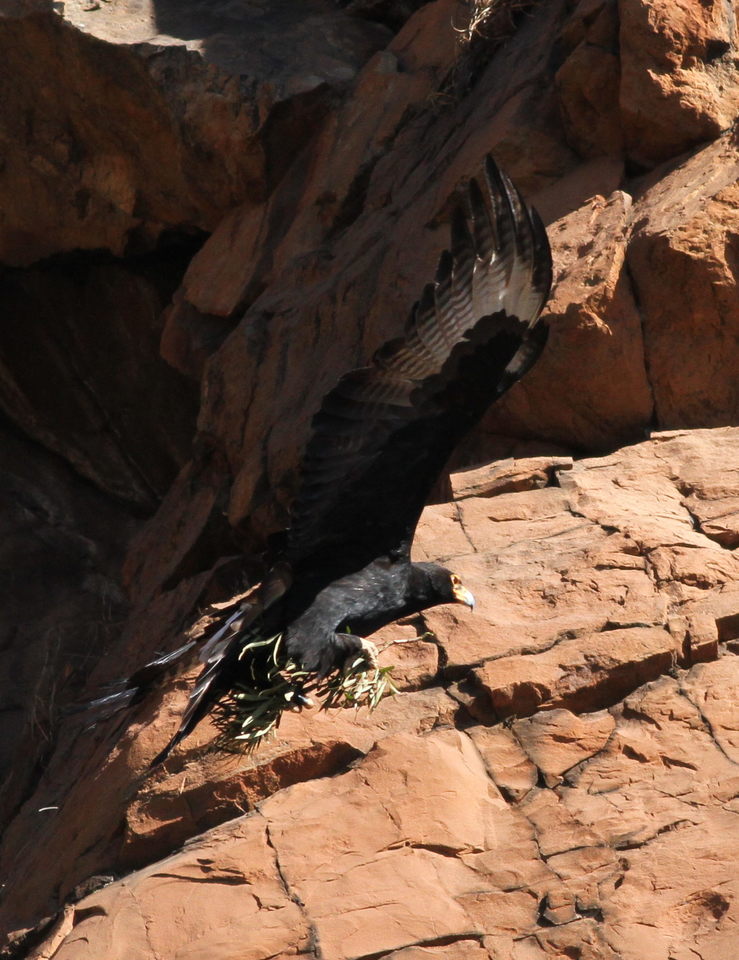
pixel 354 647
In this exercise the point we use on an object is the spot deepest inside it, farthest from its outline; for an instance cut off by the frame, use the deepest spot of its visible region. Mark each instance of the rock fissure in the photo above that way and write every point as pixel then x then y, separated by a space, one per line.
pixel 109 422
pixel 293 896
pixel 435 848
pixel 471 936
pixel 666 828
pixel 146 921
pixel 628 273
pixel 603 750
pixel 463 528
pixel 228 881
pixel 707 725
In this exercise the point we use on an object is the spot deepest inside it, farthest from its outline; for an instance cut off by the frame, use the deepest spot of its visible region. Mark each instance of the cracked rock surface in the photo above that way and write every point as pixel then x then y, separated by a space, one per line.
pixel 559 773
pixel 210 210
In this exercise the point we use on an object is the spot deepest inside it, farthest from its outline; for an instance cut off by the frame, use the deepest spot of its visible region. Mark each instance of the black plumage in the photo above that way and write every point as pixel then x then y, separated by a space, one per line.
pixel 379 442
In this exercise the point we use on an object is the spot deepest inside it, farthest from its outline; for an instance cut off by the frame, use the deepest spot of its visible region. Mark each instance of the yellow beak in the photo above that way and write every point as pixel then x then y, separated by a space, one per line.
pixel 463 595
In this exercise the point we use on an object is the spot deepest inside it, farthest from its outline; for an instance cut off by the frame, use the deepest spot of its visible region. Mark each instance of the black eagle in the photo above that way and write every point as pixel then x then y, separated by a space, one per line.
pixel 379 442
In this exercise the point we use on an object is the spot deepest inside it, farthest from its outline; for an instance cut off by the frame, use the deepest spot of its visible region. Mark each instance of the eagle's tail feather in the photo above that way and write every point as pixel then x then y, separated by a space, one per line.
pixel 137 685
pixel 221 654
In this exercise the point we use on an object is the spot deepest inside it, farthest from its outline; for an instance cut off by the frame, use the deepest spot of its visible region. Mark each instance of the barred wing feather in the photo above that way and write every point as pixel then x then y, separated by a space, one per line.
pixel 385 431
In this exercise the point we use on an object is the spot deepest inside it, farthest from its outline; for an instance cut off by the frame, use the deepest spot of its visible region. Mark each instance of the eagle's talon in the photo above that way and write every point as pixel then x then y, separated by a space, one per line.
pixel 369 653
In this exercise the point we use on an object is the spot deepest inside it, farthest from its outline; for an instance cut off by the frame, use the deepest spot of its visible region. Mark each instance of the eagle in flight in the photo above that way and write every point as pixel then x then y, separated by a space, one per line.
pixel 379 441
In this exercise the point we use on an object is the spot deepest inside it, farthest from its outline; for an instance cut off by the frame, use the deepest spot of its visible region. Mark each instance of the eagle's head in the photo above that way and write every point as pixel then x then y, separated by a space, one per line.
pixel 435 584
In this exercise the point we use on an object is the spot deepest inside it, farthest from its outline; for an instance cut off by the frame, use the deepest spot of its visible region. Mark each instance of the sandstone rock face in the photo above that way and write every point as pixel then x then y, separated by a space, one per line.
pixel 350 244
pixel 60 556
pixel 122 144
pixel 678 75
pixel 209 212
pixel 430 825
pixel 696 225
pixel 152 117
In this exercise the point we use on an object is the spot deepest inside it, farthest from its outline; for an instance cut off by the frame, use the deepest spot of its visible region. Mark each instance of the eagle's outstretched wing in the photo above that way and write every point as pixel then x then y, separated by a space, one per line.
pixel 384 433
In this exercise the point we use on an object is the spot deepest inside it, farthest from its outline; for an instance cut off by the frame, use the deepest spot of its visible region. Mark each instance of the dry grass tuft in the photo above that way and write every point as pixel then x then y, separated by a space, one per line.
pixel 492 20
pixel 253 709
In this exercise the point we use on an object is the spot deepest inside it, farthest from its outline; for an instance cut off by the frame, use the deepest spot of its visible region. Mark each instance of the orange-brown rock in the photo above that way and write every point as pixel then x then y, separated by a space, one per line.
pixel 690 338
pixel 678 75
pixel 595 325
pixel 416 848
pixel 449 828
pixel 341 236
pixel 217 113
pixel 558 775
pixel 588 81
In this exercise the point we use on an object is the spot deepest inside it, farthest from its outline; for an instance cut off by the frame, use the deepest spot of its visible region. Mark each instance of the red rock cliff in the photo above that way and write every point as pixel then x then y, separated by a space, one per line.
pixel 209 211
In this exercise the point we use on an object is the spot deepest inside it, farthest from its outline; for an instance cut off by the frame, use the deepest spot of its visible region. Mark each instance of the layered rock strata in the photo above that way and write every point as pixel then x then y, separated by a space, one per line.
pixel 210 211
